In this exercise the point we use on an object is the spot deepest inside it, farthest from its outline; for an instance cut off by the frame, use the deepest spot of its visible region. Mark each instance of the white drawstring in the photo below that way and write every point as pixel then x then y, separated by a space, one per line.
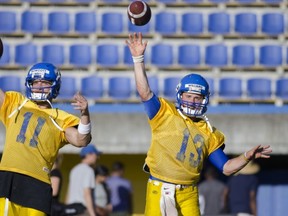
pixel 203 117
pixel 24 102
pixel 6 207
pixel 18 108
pixel 208 122
pixel 55 123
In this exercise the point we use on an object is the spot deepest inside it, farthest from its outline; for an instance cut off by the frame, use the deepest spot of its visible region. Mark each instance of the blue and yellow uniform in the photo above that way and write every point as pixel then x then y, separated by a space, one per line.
pixel 178 149
pixel 33 139
pixel 182 142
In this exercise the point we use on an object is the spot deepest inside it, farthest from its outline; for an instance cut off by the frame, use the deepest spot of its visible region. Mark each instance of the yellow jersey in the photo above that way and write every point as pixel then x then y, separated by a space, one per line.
pixel 32 138
pixel 179 145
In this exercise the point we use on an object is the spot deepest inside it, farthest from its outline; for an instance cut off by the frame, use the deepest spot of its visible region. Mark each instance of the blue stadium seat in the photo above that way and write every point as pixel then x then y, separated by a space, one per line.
pixel 53 53
pixel 112 23
pixel 56 1
pixel 192 23
pixel 169 88
pixel 273 23
pixel 32 21
pixel 192 1
pixel 219 23
pixel 26 54
pixel 216 55
pixel 10 83
pixel 165 23
pixel 271 55
pixel 120 87
pixel 167 1
pixel 259 88
pixel 29 0
pixel 154 84
pixel 80 55
pixel 59 22
pixel 5 59
pixel 243 55
pixel 112 1
pixel 273 1
pixel 127 56
pixel 8 22
pixel 162 55
pixel 218 1
pixel 230 87
pixel 92 87
pixel 245 1
pixel 68 87
pixel 84 1
pixel 189 55
pixel 145 29
pixel 85 22
pixel 210 82
pixel 246 23
pixel 108 55
pixel 286 55
pixel 282 88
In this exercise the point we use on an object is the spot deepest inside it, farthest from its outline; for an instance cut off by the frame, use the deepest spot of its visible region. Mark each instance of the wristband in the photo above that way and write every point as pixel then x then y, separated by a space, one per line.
pixel 245 157
pixel 84 129
pixel 138 59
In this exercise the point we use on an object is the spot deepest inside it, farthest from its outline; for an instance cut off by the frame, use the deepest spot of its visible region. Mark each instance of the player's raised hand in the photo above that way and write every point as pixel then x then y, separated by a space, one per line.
pixel 136 45
pixel 80 103
pixel 259 152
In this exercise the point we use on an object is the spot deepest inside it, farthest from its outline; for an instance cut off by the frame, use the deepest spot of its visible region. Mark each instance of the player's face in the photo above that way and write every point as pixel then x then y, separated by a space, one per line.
pixel 39 86
pixel 192 101
pixel 192 98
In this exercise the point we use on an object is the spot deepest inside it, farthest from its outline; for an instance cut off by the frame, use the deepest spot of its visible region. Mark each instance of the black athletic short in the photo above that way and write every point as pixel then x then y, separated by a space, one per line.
pixel 26 191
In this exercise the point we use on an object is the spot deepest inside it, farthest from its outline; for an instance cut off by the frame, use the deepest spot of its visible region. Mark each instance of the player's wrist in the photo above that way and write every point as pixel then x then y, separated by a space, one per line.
pixel 246 157
pixel 84 128
pixel 138 59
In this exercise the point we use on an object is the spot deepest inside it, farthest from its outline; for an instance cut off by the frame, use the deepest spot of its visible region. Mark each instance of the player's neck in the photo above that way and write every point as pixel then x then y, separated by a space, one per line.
pixel 43 104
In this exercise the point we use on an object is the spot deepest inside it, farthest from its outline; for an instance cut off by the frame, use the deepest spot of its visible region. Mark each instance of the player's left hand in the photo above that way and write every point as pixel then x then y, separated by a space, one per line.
pixel 259 152
pixel 136 45
pixel 80 103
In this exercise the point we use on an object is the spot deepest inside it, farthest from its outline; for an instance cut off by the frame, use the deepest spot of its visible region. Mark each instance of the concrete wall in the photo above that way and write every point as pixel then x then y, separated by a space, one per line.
pixel 130 133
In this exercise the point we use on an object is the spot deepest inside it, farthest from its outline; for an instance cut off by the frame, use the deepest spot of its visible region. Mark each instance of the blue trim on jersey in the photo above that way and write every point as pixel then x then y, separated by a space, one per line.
pixel 218 158
pixel 152 106
pixel 157 179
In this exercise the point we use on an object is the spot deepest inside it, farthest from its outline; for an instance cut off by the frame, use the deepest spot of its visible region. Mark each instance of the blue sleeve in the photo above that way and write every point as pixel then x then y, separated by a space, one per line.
pixel 218 158
pixel 152 106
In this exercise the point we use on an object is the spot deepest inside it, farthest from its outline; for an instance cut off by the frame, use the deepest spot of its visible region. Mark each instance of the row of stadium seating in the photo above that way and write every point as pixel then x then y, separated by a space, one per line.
pixel 150 1
pixel 99 87
pixel 159 55
pixel 165 23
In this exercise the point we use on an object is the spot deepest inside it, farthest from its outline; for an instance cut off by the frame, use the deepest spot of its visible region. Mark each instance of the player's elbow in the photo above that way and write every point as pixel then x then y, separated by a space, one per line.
pixel 145 95
pixel 227 170
pixel 227 173
pixel 83 140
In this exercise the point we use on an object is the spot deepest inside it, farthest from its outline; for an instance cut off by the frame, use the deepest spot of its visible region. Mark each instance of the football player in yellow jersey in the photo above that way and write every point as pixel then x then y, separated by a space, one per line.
pixel 182 138
pixel 35 131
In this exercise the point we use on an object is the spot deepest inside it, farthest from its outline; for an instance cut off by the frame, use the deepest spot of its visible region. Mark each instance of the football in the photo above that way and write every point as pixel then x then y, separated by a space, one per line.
pixel 1 48
pixel 139 13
